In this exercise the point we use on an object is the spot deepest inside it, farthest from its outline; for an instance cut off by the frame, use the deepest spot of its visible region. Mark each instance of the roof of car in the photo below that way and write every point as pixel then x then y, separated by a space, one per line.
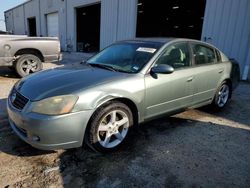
pixel 161 40
pixel 150 40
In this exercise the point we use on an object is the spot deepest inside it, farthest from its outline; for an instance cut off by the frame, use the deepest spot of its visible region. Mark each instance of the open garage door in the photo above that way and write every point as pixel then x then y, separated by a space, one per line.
pixel 88 28
pixel 52 25
pixel 170 18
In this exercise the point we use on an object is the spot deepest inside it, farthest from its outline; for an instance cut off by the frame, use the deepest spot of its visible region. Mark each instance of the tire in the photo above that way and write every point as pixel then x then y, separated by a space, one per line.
pixel 222 96
pixel 28 64
pixel 109 127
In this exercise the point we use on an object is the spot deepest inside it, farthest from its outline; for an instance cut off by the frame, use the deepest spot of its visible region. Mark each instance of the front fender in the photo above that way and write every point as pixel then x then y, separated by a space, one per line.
pixel 132 89
pixel 97 98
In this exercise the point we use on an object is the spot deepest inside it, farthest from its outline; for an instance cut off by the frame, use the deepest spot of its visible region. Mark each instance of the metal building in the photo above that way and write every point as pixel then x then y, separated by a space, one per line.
pixel 90 25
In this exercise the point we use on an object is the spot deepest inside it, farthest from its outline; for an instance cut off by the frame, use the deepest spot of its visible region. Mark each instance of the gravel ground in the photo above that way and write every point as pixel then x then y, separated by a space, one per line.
pixel 196 148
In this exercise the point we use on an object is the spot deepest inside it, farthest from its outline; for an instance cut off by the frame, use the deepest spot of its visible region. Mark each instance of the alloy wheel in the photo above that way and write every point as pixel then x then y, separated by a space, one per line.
pixel 223 95
pixel 112 129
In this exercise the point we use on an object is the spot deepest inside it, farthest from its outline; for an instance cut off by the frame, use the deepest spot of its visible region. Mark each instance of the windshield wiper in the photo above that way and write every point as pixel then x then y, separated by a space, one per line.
pixel 108 67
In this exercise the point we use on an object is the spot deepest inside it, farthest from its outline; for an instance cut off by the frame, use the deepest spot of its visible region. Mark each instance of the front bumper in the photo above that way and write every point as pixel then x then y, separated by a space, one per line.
pixel 49 132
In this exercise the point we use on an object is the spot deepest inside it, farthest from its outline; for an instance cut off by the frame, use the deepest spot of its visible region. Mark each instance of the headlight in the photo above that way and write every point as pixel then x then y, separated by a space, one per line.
pixel 55 105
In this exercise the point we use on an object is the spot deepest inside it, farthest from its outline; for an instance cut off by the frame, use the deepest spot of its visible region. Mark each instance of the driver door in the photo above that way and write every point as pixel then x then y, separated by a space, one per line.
pixel 169 92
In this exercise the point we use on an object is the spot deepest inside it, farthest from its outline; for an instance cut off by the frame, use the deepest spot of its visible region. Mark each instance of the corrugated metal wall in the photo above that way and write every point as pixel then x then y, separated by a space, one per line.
pixel 19 24
pixel 9 18
pixel 118 20
pixel 109 20
pixel 227 26
pixel 127 19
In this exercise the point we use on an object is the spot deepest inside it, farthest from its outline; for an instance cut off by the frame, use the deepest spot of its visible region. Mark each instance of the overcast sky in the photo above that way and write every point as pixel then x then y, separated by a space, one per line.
pixel 5 5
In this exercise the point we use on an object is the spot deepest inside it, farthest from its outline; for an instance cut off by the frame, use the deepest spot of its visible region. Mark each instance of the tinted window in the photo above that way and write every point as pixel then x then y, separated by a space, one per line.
pixel 203 54
pixel 176 55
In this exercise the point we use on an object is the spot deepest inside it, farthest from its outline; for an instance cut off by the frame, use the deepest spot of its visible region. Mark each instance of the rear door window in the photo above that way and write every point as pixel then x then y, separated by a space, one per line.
pixel 176 55
pixel 203 54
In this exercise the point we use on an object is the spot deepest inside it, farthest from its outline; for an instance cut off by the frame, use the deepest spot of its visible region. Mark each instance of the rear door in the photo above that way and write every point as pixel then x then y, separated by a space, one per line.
pixel 208 71
pixel 169 92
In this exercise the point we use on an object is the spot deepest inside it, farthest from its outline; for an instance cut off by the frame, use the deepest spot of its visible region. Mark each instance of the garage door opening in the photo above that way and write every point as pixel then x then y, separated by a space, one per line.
pixel 170 18
pixel 32 27
pixel 88 28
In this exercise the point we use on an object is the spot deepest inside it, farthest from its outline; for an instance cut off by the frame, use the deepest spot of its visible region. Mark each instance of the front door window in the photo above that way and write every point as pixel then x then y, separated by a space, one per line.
pixel 176 55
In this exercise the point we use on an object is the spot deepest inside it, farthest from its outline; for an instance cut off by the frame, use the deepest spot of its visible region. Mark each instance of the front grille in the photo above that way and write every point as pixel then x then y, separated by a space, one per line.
pixel 18 100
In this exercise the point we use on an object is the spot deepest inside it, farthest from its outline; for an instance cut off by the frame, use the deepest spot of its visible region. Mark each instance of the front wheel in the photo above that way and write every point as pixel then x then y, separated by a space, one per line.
pixel 28 64
pixel 222 96
pixel 110 126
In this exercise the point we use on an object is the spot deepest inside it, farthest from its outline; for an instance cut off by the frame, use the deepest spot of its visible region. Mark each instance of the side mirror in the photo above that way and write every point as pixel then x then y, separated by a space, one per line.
pixel 162 69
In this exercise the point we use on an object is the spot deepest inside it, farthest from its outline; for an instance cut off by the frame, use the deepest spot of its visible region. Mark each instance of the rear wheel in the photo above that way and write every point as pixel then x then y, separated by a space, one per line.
pixel 28 64
pixel 110 126
pixel 222 96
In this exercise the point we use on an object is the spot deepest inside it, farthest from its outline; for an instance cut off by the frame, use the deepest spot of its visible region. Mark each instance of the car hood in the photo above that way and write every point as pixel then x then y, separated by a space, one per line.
pixel 62 81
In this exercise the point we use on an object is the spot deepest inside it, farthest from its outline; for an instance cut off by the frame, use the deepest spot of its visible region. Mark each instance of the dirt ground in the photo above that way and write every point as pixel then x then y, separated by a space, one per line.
pixel 197 148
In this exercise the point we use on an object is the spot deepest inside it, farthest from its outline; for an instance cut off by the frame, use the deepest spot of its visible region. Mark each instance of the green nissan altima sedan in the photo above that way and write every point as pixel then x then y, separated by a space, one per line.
pixel 127 83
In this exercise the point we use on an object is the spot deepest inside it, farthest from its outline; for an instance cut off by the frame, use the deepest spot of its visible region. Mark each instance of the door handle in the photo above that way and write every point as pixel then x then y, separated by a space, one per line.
pixel 221 71
pixel 190 79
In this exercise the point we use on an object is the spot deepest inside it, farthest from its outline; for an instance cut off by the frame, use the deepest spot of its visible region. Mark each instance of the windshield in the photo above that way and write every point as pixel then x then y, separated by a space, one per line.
pixel 125 57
